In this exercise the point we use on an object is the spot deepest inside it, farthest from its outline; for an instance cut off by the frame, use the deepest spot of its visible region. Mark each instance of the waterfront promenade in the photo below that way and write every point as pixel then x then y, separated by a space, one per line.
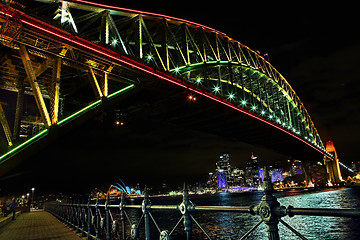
pixel 37 224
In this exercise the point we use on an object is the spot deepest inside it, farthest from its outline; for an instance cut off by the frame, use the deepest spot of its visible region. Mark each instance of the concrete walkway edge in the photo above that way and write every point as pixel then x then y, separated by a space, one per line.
pixel 36 225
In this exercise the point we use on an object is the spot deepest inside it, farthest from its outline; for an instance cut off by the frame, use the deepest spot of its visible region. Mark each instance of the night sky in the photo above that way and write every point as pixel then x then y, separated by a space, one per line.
pixel 316 49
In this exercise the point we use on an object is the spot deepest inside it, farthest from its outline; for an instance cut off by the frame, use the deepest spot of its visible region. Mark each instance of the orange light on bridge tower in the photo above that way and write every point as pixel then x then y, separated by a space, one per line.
pixel 333 167
pixel 330 147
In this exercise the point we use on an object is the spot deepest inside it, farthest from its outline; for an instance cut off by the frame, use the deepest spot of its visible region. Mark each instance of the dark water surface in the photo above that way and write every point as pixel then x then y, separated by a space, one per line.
pixel 221 225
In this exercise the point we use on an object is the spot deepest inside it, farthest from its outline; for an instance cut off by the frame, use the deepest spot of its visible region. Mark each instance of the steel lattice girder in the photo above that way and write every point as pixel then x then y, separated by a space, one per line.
pixel 206 58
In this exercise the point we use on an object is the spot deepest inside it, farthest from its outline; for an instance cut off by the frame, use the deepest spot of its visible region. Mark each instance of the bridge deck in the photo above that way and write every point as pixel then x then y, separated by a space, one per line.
pixel 37 225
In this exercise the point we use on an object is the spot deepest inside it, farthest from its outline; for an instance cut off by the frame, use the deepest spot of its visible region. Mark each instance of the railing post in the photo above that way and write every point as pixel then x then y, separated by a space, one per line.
pixel 70 211
pixel 78 215
pixel 267 208
pixel 89 217
pixel 83 217
pixel 145 204
pixel 107 218
pixel 122 215
pixel 73 213
pixel 97 217
pixel 184 208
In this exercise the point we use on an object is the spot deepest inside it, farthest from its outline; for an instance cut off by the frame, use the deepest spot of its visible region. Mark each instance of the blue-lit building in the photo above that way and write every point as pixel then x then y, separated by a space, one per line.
pixel 221 179
pixel 296 168
pixel 223 170
pixel 275 174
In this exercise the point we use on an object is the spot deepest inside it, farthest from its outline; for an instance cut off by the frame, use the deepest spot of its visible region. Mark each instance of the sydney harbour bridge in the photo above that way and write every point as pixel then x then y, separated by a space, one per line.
pixel 63 62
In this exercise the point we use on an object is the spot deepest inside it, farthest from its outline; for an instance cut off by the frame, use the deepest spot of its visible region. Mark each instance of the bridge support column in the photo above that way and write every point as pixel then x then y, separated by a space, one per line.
pixel 104 32
pixel 332 166
pixel 5 126
pixel 19 108
pixel 333 170
pixel 55 90
pixel 94 83
pixel 34 85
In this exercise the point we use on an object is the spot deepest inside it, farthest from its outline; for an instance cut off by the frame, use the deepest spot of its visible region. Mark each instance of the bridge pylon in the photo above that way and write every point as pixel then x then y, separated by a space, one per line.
pixel 332 166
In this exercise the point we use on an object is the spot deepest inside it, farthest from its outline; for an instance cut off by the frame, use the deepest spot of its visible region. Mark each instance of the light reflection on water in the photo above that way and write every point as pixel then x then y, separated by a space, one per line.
pixel 222 225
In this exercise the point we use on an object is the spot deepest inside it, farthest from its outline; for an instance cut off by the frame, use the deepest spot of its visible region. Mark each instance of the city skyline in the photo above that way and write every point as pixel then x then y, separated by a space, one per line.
pixel 227 175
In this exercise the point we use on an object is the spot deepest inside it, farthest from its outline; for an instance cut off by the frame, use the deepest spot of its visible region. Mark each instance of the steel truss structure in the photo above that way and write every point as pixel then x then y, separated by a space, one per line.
pixel 79 41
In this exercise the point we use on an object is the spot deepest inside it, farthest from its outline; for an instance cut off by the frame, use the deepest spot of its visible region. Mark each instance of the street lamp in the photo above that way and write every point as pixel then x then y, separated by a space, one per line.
pixel 32 197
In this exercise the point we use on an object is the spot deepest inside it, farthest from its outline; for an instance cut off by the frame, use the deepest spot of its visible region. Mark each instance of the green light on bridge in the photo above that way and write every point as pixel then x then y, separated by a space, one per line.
pixel 114 42
pixel 117 93
pixel 149 57
pixel 231 96
pixel 216 89
pixel 94 105
pixel 25 144
pixel 44 132
pixel 78 113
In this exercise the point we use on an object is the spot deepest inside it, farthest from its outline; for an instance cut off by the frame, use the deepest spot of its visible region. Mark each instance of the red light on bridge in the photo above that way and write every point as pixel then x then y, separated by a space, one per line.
pixel 191 98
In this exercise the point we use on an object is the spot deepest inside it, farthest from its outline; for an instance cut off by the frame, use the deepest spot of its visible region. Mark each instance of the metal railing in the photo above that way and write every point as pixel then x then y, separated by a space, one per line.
pixel 97 220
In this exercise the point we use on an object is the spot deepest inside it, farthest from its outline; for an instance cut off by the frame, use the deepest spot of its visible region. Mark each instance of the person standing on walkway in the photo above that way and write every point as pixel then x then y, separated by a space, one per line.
pixel 3 208
pixel 12 208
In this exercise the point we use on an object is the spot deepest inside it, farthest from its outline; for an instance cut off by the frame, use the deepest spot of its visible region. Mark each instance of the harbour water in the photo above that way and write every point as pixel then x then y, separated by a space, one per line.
pixel 220 225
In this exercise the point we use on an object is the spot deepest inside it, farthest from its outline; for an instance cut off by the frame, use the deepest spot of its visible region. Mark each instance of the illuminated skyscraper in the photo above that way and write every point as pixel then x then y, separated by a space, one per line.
pixel 221 179
pixel 223 170
pixel 237 177
pixel 252 172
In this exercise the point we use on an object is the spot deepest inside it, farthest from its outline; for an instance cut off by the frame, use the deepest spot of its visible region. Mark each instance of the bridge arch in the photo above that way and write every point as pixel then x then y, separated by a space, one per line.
pixel 202 56
pixel 110 43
